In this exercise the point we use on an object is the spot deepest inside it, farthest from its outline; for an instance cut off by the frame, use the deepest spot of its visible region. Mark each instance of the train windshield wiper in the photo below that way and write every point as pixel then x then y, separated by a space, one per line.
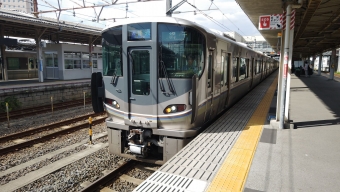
pixel 163 69
pixel 114 78
pixel 167 77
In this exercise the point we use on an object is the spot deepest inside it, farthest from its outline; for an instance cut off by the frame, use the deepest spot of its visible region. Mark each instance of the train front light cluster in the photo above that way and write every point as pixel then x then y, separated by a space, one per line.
pixel 112 102
pixel 174 108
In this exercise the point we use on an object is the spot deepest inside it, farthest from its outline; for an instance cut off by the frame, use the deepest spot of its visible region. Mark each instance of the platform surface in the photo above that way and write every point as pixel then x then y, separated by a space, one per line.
pixel 27 83
pixel 306 158
pixel 196 166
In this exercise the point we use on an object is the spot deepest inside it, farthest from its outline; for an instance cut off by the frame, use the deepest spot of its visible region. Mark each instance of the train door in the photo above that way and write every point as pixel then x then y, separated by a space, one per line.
pixel 142 99
pixel 210 87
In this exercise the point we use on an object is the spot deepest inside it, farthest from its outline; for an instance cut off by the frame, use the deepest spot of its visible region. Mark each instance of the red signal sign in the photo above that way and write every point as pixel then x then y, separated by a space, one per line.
pixel 264 22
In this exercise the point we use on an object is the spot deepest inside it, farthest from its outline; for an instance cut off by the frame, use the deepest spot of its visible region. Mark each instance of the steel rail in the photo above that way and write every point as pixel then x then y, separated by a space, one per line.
pixel 109 177
pixel 49 136
pixel 46 127
pixel 42 109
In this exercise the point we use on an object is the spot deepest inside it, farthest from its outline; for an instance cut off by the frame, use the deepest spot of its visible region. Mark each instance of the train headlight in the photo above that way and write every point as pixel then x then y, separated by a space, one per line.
pixel 174 108
pixel 112 102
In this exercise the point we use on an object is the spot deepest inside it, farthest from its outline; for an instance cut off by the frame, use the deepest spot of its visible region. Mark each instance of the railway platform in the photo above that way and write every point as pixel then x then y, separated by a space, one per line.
pixel 32 93
pixel 242 151
pixel 29 83
pixel 305 158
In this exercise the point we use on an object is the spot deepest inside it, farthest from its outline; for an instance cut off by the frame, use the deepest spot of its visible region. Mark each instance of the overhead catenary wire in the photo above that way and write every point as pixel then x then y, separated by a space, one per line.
pixel 92 17
pixel 210 18
pixel 227 17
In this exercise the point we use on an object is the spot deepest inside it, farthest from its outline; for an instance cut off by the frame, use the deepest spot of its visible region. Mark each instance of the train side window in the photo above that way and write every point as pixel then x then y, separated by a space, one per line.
pixel 227 64
pixel 235 69
pixel 257 70
pixel 247 68
pixel 222 71
pixel 243 69
pixel 209 70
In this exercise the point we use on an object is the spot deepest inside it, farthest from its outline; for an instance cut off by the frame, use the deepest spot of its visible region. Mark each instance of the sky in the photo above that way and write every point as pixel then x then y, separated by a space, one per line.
pixel 224 15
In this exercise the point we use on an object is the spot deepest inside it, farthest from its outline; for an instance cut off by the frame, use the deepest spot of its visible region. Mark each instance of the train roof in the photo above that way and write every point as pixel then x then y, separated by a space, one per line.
pixel 156 19
pixel 216 33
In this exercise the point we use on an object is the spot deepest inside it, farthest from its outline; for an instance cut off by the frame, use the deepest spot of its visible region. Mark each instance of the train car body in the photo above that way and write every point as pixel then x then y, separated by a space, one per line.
pixel 164 78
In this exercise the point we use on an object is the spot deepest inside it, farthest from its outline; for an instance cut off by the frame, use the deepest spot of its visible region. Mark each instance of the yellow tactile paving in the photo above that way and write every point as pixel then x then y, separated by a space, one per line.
pixel 235 168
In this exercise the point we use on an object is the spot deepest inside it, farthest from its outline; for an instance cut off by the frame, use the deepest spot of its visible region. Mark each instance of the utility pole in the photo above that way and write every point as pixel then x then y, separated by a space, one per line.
pixel 35 7
pixel 168 7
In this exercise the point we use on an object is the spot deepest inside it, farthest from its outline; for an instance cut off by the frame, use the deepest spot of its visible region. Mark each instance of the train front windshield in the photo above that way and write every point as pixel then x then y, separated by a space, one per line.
pixel 112 52
pixel 181 51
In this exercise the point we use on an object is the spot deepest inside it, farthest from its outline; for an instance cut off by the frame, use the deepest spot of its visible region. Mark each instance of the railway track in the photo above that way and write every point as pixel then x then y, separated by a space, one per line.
pixel 49 136
pixel 103 181
pixel 42 109
pixel 119 175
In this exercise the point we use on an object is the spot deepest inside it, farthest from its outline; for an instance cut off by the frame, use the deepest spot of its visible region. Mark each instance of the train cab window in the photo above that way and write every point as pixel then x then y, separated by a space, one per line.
pixel 112 52
pixel 181 51
pixel 235 69
pixel 243 69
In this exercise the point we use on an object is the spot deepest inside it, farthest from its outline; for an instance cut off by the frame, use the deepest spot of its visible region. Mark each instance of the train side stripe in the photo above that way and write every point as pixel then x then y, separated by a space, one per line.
pixel 235 168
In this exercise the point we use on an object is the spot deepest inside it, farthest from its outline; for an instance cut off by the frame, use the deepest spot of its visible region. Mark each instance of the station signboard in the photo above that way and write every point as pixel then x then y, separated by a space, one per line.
pixel 270 22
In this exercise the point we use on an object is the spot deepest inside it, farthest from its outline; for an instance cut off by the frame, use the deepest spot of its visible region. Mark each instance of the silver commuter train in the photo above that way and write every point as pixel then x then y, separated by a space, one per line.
pixel 164 78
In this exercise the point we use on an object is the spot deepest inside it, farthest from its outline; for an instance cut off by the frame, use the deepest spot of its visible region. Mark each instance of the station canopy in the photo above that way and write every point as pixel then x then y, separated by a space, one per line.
pixel 18 24
pixel 317 24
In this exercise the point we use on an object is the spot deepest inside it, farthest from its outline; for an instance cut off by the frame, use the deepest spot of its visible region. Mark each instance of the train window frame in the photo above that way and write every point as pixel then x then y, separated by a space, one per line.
pixel 257 66
pixel 222 69
pixel 242 61
pixel 235 69
pixel 16 63
pixel 228 64
pixel 248 70
pixel 210 70
pixel 197 53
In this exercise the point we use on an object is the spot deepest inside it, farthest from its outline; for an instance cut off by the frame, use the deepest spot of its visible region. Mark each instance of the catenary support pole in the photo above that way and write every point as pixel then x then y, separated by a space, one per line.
pixel 338 64
pixel 90 54
pixel 285 68
pixel 291 38
pixel 168 6
pixel 282 51
pixel 320 63
pixel 3 56
pixel 332 66
pixel 39 56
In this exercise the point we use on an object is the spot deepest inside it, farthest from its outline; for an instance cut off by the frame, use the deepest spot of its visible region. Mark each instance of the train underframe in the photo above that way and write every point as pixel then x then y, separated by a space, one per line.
pixel 143 144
